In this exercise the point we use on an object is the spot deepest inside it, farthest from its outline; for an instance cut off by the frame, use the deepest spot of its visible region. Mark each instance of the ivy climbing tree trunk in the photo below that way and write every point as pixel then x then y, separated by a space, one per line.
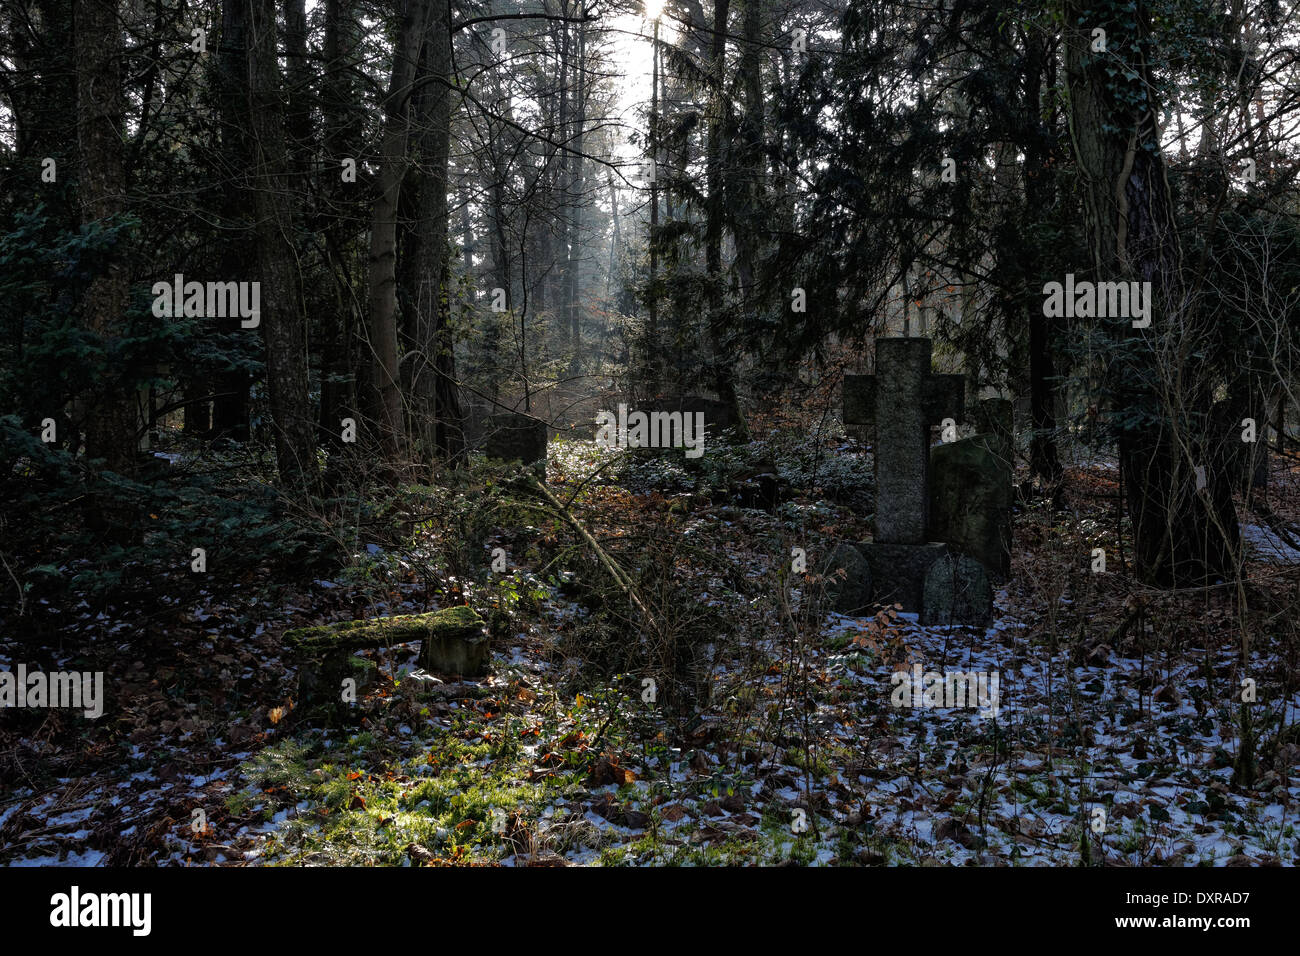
pixel 1184 526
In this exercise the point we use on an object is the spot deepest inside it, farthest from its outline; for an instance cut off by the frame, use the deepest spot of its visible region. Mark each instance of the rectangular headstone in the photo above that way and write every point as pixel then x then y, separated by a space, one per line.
pixel 513 436
pixel 859 399
pixel 718 416
pixel 971 499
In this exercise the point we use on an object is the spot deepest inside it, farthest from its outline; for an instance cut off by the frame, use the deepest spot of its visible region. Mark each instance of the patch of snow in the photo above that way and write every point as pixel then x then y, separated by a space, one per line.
pixel 1267 546
pixel 72 816
pixel 84 858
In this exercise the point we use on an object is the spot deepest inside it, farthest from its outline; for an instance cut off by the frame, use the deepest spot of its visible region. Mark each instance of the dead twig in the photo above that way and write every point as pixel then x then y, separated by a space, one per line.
pixel 620 577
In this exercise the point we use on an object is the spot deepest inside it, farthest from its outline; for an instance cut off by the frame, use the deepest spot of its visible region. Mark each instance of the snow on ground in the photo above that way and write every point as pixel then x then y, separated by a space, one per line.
pixel 1266 545
pixel 1135 751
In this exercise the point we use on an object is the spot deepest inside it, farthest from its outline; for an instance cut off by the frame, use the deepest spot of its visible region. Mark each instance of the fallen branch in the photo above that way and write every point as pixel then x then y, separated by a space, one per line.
pixel 620 578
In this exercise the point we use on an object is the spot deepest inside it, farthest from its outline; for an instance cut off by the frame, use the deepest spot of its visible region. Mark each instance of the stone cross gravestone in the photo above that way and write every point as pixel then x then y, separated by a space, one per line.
pixel 903 400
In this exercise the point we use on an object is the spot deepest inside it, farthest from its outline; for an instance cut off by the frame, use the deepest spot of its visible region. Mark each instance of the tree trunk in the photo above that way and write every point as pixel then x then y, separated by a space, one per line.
pixel 466 226
pixel 436 397
pixel 383 378
pixel 341 141
pixel 574 262
pixel 299 77
pixel 283 322
pixel 1040 196
pixel 1044 461
pixel 653 355
pixel 231 388
pixel 1280 441
pixel 110 418
pixel 752 163
pixel 564 196
pixel 724 378
pixel 1183 533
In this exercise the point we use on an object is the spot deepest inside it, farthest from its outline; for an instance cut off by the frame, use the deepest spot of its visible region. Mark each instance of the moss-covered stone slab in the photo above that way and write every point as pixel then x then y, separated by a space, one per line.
pixel 453 640
pixel 462 649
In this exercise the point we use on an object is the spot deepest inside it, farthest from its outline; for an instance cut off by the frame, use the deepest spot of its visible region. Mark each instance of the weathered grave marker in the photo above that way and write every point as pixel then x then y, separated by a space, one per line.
pixel 971 498
pixel 512 436
pixel 847 580
pixel 957 591
pixel 718 416
pixel 903 400
pixel 453 641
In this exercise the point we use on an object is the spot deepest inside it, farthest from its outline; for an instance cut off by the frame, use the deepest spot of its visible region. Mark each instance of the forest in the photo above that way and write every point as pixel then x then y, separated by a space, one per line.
pixel 649 433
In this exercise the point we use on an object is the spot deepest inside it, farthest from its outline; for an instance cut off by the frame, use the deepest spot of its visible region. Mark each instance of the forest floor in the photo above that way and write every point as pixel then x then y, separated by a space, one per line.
pixel 1118 724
